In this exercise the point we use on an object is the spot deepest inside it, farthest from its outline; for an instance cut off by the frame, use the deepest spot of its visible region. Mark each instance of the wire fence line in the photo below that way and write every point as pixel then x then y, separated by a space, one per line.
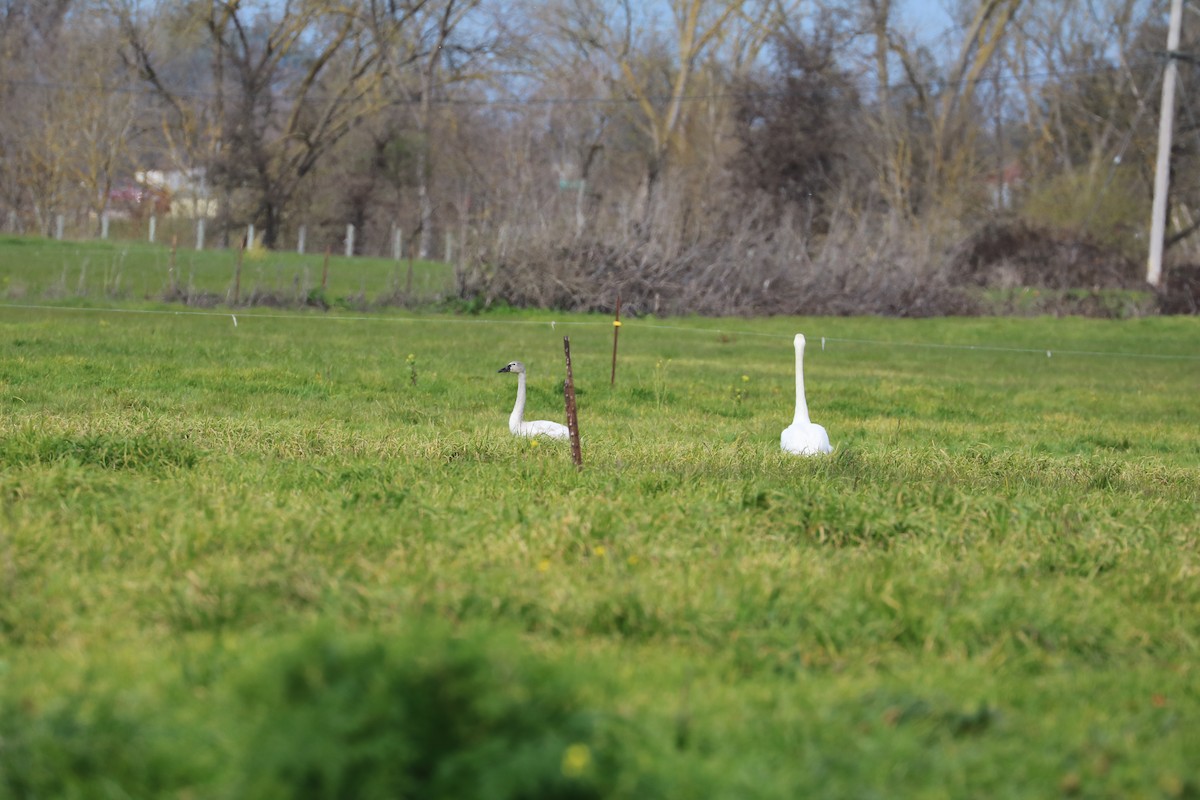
pixel 122 272
pixel 626 324
pixel 125 246
pixel 164 233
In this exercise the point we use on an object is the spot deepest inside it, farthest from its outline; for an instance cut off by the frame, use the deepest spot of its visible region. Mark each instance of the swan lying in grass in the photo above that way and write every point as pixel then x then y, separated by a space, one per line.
pixel 803 437
pixel 516 421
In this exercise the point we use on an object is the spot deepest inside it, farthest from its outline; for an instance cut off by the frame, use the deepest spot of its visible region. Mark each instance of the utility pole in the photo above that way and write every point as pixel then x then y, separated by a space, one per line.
pixel 1162 168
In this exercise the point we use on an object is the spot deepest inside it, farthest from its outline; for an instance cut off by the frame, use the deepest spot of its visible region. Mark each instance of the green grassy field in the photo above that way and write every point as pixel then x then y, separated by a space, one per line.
pixel 37 270
pixel 301 556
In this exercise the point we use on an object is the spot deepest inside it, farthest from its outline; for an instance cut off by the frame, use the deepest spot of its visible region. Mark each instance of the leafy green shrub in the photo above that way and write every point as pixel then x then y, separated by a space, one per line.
pixel 88 744
pixel 429 716
pixel 1098 206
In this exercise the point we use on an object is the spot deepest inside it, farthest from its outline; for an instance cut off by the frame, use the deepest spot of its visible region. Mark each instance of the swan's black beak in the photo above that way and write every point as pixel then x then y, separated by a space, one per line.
pixel 505 368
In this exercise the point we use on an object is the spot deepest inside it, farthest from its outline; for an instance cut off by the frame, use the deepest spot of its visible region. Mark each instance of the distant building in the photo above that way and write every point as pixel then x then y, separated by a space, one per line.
pixel 188 191
pixel 1003 183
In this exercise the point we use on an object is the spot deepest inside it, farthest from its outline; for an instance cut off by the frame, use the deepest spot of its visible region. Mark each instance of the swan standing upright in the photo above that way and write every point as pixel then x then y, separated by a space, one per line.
pixel 516 420
pixel 803 437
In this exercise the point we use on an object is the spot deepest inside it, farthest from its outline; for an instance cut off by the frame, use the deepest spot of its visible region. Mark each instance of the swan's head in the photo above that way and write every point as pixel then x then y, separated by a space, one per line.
pixel 799 341
pixel 513 366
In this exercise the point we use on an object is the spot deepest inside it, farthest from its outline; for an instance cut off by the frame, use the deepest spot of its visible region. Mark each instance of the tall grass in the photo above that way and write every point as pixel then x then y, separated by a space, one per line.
pixel 302 556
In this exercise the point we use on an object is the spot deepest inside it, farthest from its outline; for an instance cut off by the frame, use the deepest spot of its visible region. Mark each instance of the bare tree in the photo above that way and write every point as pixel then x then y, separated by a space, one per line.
pixel 954 121
pixel 428 47
pixel 1084 115
pixel 655 67
pixel 1093 69
pixel 287 83
pixel 99 121
pixel 893 155
pixel 33 172
pixel 940 97
pixel 795 125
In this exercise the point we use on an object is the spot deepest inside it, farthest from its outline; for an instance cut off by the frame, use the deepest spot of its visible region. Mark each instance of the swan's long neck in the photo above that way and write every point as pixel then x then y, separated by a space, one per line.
pixel 518 413
pixel 801 417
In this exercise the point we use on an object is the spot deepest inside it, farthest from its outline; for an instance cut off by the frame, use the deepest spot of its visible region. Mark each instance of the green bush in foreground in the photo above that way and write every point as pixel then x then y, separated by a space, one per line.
pixel 426 717
pixel 90 744
pixel 430 714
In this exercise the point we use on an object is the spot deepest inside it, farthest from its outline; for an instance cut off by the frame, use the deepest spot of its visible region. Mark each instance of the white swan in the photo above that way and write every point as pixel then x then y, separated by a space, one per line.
pixel 516 421
pixel 803 436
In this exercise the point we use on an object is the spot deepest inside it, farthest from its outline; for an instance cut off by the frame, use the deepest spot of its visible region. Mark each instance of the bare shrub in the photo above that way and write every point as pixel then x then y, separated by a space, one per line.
pixel 871 266
pixel 204 299
pixel 272 298
pixel 1018 253
pixel 1181 291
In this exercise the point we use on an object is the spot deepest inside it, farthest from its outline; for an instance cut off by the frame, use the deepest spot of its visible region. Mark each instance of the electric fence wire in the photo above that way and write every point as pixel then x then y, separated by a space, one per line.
pixel 631 324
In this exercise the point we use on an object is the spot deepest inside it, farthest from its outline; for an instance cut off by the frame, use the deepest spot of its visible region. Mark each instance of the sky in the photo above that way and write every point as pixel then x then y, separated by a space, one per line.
pixel 928 18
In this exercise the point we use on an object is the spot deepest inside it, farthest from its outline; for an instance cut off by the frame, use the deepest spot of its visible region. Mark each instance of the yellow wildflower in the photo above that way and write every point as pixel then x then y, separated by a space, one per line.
pixel 576 759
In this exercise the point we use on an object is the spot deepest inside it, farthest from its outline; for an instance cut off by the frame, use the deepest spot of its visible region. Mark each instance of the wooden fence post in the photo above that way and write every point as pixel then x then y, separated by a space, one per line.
pixel 237 274
pixel 171 282
pixel 612 380
pixel 572 417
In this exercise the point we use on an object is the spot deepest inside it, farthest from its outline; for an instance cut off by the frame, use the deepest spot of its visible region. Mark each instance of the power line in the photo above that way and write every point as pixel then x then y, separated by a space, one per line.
pixel 1012 79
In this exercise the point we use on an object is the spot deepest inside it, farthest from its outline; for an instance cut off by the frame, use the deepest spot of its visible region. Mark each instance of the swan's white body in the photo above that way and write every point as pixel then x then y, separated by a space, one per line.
pixel 516 420
pixel 803 437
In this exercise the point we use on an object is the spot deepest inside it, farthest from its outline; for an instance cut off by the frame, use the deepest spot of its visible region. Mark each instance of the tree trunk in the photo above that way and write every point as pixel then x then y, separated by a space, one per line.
pixel 423 166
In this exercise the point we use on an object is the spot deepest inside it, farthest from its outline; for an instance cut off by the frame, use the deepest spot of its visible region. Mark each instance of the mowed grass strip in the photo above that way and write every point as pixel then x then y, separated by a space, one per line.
pixel 247 559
